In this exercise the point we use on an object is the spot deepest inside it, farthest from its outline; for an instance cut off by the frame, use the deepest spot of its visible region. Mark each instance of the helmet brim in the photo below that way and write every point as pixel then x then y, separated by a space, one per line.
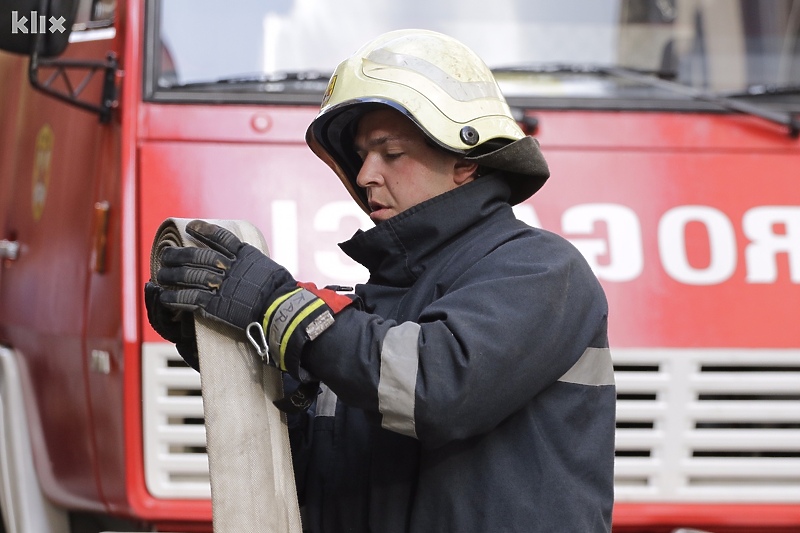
pixel 522 163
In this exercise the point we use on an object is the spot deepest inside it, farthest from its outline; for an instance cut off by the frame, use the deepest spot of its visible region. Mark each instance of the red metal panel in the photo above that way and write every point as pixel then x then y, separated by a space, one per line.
pixel 619 130
pixel 718 518
pixel 691 207
pixel 231 123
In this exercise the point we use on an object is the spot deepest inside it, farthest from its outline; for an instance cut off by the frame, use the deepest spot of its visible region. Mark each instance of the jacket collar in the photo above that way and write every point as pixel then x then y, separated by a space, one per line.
pixel 396 251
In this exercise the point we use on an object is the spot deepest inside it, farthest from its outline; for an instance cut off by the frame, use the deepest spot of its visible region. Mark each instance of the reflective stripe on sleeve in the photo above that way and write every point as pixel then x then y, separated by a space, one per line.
pixel 398 378
pixel 326 402
pixel 283 317
pixel 593 368
pixel 274 306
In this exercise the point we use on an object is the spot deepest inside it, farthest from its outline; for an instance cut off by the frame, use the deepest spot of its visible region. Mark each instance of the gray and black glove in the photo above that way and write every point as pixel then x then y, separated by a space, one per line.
pixel 237 284
pixel 229 281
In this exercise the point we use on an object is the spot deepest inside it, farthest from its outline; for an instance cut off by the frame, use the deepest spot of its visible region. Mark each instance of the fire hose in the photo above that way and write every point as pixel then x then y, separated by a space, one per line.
pixel 250 463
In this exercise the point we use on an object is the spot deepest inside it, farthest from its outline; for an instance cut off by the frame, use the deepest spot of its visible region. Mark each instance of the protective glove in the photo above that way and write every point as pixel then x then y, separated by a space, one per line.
pixel 177 328
pixel 237 284
pixel 229 281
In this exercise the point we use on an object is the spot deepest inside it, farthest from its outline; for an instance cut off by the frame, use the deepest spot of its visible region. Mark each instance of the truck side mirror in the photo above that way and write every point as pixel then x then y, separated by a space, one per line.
pixel 40 29
pixel 26 24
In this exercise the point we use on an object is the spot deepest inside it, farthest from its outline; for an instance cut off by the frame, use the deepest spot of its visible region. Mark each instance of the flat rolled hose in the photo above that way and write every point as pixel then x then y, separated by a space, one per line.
pixel 250 463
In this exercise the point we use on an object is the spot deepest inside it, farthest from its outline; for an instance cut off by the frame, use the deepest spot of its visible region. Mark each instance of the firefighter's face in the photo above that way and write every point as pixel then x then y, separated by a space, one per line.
pixel 400 169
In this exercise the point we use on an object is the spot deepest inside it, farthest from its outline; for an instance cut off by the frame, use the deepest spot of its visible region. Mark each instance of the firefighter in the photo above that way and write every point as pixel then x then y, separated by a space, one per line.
pixel 468 385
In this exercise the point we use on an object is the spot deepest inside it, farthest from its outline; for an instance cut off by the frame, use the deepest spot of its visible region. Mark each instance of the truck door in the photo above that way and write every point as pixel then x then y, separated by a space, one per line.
pixel 54 156
pixel 11 73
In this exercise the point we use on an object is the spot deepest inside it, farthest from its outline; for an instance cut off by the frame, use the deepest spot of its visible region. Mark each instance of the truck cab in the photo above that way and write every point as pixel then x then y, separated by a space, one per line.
pixel 671 130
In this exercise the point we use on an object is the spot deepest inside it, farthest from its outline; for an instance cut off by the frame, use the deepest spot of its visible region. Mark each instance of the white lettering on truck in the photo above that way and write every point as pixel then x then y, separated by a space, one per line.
pixel 623 246
pixel 674 252
pixel 772 233
pixel 284 234
pixel 759 225
pixel 329 218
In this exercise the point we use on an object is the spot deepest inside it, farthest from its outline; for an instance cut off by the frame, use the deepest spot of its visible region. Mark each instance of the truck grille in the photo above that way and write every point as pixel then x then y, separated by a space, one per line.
pixel 694 425
pixel 708 425
pixel 175 460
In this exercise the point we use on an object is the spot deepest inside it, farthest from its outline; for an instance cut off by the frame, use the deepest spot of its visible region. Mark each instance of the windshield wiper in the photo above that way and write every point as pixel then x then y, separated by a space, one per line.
pixel 271 78
pixel 578 68
pixel 761 89
pixel 658 80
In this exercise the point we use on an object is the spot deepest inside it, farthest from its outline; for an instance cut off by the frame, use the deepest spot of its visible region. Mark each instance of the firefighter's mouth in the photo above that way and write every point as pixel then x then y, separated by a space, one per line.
pixel 376 206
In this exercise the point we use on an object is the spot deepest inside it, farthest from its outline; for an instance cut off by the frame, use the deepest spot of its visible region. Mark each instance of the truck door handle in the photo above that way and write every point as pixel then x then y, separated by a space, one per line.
pixel 9 249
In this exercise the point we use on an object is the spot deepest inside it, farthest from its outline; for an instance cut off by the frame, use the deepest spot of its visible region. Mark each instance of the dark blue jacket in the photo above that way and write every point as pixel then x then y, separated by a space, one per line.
pixel 471 387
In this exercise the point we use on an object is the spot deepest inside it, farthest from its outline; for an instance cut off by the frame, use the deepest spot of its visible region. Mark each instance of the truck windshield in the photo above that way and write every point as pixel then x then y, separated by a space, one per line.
pixel 279 49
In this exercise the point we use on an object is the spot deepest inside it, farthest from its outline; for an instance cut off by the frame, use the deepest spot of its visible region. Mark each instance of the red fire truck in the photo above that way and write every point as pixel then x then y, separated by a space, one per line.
pixel 671 130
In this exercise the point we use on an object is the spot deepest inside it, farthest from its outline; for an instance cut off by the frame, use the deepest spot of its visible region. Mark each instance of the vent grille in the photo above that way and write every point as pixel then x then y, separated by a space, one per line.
pixel 176 464
pixel 696 425
pixel 708 425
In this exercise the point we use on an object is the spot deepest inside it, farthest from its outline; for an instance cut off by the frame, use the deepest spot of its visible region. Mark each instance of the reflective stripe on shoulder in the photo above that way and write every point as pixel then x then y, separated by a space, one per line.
pixel 593 368
pixel 398 379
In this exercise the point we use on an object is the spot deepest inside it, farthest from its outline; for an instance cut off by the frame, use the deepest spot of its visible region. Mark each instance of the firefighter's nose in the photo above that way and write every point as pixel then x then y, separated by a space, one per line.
pixel 370 173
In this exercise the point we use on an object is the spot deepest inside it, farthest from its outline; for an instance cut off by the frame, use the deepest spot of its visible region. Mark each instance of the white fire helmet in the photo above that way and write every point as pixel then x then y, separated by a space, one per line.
pixel 445 89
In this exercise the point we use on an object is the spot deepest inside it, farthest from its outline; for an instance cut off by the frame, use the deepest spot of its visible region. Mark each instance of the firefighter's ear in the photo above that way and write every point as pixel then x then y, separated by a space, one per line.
pixel 464 171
